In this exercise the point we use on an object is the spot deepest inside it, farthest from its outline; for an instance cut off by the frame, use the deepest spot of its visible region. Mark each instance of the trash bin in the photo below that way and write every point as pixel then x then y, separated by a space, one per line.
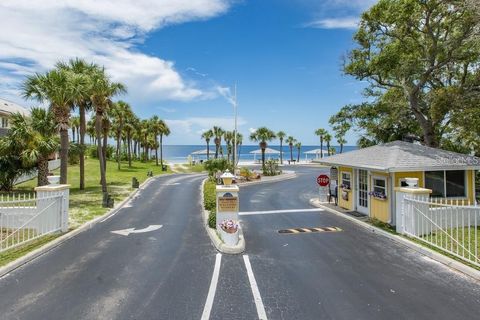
pixel 135 183
pixel 164 167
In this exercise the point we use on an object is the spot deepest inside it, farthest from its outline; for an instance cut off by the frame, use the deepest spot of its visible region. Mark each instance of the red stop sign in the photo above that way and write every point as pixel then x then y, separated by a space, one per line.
pixel 323 180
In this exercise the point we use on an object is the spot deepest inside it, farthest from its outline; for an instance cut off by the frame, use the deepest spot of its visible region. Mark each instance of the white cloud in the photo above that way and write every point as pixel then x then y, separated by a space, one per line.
pixel 36 34
pixel 336 23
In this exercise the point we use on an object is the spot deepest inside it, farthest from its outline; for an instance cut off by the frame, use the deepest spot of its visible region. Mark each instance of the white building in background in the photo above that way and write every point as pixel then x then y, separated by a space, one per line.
pixel 7 108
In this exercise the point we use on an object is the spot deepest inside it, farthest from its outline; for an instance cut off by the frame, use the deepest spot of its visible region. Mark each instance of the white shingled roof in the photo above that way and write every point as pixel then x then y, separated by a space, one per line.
pixel 402 156
pixel 11 108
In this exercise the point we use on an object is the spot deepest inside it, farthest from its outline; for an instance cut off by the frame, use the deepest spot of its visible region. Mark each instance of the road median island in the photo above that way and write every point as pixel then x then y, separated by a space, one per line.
pixel 285 175
pixel 208 206
pixel 421 249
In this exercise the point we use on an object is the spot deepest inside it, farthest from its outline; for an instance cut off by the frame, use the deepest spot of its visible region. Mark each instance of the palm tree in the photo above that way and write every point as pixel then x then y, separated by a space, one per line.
pixel 207 135
pixel 341 141
pixel 83 69
pixel 60 88
pixel 106 126
pixel 102 90
pixel 130 124
pixel 281 135
pixel 228 136
pixel 34 138
pixel 321 133
pixel 298 145
pixel 217 133
pixel 164 131
pixel 291 140
pixel 262 136
pixel 144 133
pixel 327 138
pixel 236 157
pixel 75 124
pixel 120 111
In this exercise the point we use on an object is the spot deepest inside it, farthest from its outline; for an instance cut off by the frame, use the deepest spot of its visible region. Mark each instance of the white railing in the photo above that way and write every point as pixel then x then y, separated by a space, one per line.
pixel 25 217
pixel 451 228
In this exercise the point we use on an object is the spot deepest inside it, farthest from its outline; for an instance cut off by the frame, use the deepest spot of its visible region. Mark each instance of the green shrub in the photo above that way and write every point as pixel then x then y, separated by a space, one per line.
pixel 74 153
pixel 214 165
pixel 92 151
pixel 271 168
pixel 212 220
pixel 210 202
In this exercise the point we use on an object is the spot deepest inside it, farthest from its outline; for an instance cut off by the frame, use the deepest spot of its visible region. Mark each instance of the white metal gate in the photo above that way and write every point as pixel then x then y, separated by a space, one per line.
pixel 451 228
pixel 26 218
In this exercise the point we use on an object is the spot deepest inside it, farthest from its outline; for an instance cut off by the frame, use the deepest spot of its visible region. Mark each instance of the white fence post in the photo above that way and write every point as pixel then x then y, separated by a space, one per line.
pixel 401 218
pixel 53 190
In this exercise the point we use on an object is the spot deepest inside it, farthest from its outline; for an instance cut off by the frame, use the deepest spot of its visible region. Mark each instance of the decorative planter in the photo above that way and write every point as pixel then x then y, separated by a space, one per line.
pixel 378 198
pixel 53 179
pixel 230 239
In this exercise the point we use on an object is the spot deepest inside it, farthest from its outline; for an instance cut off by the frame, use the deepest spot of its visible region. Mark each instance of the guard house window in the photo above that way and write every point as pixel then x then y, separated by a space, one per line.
pixel 380 186
pixel 450 184
pixel 346 180
pixel 4 122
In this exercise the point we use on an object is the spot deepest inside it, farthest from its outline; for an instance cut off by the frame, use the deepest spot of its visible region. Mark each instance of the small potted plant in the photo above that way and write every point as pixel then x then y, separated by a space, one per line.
pixel 345 187
pixel 229 232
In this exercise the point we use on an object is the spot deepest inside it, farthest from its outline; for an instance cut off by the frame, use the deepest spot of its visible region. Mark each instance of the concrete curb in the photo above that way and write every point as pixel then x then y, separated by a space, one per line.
pixel 214 237
pixel 449 262
pixel 282 177
pixel 70 234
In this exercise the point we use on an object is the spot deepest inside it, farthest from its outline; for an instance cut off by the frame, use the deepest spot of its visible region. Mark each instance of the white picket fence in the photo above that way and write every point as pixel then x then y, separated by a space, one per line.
pixel 451 228
pixel 27 217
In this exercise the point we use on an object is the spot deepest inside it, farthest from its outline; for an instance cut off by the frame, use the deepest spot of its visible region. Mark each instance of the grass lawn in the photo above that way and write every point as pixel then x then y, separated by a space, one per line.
pixel 87 204
pixel 463 242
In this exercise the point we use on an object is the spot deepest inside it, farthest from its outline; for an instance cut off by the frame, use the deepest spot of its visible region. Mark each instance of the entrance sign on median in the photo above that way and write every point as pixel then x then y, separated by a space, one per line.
pixel 126 232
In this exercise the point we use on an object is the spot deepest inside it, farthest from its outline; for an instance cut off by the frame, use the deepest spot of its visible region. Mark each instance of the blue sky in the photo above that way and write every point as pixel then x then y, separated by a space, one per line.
pixel 180 58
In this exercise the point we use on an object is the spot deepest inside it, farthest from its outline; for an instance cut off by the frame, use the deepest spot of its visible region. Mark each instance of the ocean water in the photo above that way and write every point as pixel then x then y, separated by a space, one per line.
pixel 180 153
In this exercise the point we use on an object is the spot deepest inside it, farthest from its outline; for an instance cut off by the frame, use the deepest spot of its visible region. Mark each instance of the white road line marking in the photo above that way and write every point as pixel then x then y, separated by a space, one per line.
pixel 248 213
pixel 213 287
pixel 262 315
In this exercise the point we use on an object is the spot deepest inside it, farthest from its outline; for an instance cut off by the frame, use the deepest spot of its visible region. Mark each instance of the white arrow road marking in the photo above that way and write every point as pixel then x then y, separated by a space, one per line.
pixel 126 232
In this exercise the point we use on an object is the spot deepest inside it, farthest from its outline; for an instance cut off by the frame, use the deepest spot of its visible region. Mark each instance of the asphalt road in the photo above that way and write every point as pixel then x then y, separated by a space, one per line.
pixel 163 274
pixel 166 273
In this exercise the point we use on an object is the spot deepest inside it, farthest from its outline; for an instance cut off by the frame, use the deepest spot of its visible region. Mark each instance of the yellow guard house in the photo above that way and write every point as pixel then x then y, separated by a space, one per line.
pixel 367 177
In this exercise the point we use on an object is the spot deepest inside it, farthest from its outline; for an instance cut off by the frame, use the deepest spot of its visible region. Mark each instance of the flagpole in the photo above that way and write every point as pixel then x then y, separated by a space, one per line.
pixel 235 129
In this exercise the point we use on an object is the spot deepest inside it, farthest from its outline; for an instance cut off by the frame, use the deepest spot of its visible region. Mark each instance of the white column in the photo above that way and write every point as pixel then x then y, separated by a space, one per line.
pixel 400 194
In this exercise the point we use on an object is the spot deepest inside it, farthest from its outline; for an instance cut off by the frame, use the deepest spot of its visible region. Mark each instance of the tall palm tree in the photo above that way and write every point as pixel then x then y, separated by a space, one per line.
pixel 60 88
pixel 217 133
pixel 34 137
pixel 75 125
pixel 341 141
pixel 327 138
pixel 83 69
pixel 298 145
pixel 145 132
pixel 120 111
pixel 155 127
pixel 228 136
pixel 102 91
pixel 207 136
pixel 106 126
pixel 321 133
pixel 130 124
pixel 263 135
pixel 236 157
pixel 291 141
pixel 281 135
pixel 164 131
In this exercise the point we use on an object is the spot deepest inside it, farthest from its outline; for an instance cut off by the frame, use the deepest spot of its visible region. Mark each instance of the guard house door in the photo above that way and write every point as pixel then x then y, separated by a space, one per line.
pixel 362 191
